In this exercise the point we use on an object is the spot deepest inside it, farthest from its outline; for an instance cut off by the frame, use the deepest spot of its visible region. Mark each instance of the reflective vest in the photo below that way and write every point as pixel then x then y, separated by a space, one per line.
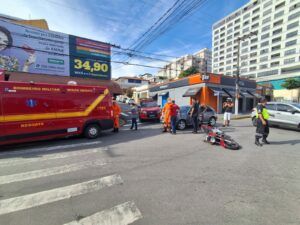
pixel 265 114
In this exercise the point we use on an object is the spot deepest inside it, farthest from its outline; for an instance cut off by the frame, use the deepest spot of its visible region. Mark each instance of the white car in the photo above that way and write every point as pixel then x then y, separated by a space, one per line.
pixel 281 114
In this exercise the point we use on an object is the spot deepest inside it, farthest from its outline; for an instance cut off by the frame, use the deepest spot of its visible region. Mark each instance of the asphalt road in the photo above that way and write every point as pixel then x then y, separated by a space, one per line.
pixel 145 177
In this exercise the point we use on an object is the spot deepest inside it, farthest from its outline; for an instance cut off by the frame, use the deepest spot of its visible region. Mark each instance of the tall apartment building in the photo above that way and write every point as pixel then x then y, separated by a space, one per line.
pixel 201 60
pixel 271 55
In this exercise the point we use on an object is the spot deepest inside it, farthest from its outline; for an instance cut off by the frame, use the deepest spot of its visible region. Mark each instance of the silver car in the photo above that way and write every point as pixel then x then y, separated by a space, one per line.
pixel 281 114
pixel 207 115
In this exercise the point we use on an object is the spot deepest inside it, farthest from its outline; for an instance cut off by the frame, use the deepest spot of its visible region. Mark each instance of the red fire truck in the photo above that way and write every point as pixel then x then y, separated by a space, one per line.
pixel 35 111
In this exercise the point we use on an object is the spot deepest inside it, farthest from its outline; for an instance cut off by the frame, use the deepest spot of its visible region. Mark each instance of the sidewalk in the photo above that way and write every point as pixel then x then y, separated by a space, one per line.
pixel 237 117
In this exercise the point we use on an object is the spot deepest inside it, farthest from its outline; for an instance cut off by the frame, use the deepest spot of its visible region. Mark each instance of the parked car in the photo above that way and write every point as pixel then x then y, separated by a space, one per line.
pixel 149 110
pixel 281 114
pixel 207 115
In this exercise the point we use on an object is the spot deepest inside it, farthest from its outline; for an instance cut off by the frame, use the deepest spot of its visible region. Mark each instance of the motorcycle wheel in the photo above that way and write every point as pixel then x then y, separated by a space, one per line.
pixel 232 145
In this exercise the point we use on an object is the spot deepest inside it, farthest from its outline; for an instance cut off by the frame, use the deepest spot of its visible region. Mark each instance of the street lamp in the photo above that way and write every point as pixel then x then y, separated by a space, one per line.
pixel 237 78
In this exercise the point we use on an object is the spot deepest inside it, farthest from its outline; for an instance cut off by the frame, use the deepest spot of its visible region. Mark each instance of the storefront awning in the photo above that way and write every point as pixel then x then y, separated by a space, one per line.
pixel 218 91
pixel 163 93
pixel 230 92
pixel 254 94
pixel 246 94
pixel 192 92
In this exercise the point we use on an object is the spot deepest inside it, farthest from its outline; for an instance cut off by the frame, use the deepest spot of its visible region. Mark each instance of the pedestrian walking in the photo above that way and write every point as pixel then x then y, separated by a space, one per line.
pixel 228 107
pixel 173 113
pixel 116 115
pixel 134 116
pixel 262 128
pixel 166 116
pixel 194 114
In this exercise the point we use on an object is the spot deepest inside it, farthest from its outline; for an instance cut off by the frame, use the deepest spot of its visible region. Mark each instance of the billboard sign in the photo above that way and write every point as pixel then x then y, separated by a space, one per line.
pixel 33 50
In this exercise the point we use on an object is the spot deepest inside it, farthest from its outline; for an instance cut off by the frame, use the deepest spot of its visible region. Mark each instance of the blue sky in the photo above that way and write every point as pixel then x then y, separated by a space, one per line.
pixel 122 21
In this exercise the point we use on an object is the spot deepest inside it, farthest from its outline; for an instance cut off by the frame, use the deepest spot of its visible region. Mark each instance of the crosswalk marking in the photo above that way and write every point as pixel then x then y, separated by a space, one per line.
pixel 123 214
pixel 14 162
pixel 47 149
pixel 41 198
pixel 49 171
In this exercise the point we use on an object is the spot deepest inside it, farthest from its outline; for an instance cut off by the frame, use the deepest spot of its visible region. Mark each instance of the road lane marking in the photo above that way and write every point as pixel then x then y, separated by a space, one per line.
pixel 40 158
pixel 45 197
pixel 52 148
pixel 123 214
pixel 49 171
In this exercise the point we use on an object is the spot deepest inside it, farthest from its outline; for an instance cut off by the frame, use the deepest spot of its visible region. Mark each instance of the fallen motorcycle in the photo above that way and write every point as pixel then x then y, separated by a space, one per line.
pixel 215 136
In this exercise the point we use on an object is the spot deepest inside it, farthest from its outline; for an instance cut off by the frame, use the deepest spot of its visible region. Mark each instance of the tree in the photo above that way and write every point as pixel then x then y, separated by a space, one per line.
pixel 291 83
pixel 129 92
pixel 188 72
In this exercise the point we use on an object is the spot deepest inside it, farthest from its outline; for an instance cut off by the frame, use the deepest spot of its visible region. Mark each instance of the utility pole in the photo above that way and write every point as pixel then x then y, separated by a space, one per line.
pixel 237 77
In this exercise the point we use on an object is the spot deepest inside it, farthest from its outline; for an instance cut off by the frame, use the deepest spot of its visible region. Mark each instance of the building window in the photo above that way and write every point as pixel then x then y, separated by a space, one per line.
pixel 253 54
pixel 266 20
pixel 264 44
pixel 221 58
pixel 275 40
pixel 222 40
pixel 246 16
pixel 277 23
pixel 265 28
pixel 264 59
pixel 229 37
pixel 292 34
pixel 221 63
pixel 254 40
pixel 267 73
pixel 290 43
pixel 230 25
pixel 254 47
pixel 223 28
pixel 222 46
pixel 275 63
pixel 290 52
pixel 228 67
pixel 275 56
pixel 216 54
pixel 228 61
pixel 265 36
pixel 133 81
pixel 256 11
pixel 253 68
pixel 237 20
pixel 278 31
pixel 280 5
pixel 244 63
pixel 296 6
pixel 290 60
pixel 216 32
pixel 237 27
pixel 229 31
pixel 264 66
pixel 255 18
pixel 244 70
pixel 229 43
pixel 255 25
pixel 264 51
pixel 244 57
pixel 279 14
pixel 228 55
pixel 222 35
pixel 236 34
pixel 275 48
pixel 221 69
pixel 216 49
pixel 268 4
pixel 253 62
pixel 294 16
pixel 293 25
pixel 246 30
pixel 246 23
pixel 221 52
pixel 245 43
pixel 245 50
pixel 268 12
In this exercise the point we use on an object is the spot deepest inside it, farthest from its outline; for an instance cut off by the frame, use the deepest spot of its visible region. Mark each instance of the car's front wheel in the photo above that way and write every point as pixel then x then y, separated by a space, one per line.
pixel 254 121
pixel 181 125
pixel 212 121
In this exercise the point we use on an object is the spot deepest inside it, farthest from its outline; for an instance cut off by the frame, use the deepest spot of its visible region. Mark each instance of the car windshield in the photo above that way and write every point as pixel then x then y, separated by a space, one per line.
pixel 296 105
pixel 148 104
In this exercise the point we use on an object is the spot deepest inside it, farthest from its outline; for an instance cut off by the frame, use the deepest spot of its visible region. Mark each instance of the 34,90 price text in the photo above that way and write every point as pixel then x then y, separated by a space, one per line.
pixel 90 66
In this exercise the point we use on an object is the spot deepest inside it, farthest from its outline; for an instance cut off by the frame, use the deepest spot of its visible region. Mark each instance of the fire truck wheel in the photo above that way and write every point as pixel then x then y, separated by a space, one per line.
pixel 92 131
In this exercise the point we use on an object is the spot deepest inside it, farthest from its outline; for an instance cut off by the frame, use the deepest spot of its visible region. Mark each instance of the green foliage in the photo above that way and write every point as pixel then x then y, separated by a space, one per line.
pixel 188 72
pixel 291 83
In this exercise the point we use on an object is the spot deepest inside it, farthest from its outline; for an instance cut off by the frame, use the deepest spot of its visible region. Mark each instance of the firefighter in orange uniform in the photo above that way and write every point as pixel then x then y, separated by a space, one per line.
pixel 116 114
pixel 166 115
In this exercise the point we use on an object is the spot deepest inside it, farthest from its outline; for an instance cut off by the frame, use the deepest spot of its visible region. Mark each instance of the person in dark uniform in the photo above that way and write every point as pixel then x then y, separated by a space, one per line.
pixel 194 114
pixel 262 128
